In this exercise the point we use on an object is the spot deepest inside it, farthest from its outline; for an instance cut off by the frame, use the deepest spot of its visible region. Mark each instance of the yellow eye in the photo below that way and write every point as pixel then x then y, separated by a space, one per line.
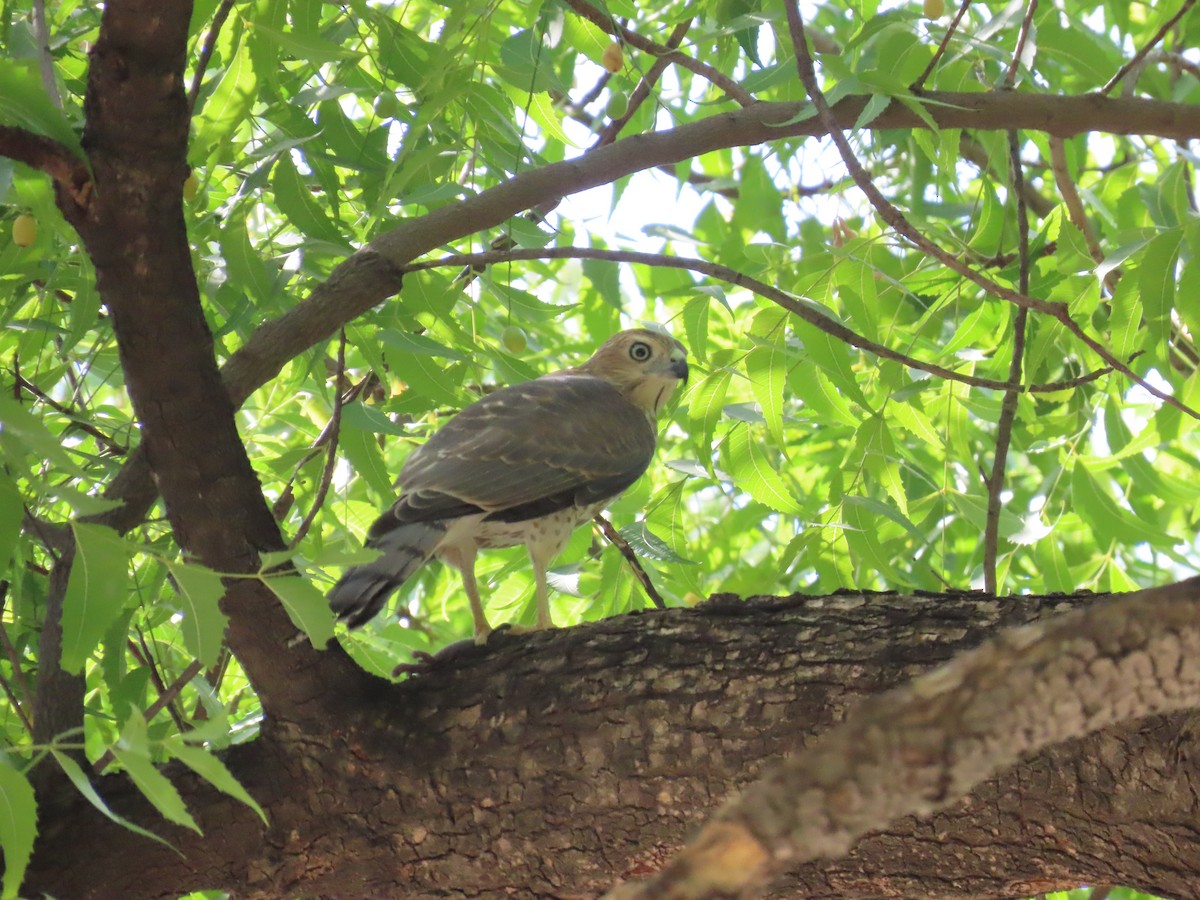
pixel 639 351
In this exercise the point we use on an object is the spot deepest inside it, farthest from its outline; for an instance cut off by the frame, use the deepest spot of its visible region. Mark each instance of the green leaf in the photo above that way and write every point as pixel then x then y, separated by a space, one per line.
pixel 18 826
pixel 411 342
pixel 228 106
pixel 766 367
pixel 12 511
pixel 705 402
pixel 22 434
pixel 97 590
pixel 1156 275
pixel 695 323
pixel 1106 518
pixel 75 774
pixel 132 751
pixel 296 201
pixel 246 266
pixel 203 626
pixel 307 47
pixel 646 543
pixel 757 475
pixel 305 605
pixel 881 460
pixel 212 770
pixel 24 102
pixel 360 447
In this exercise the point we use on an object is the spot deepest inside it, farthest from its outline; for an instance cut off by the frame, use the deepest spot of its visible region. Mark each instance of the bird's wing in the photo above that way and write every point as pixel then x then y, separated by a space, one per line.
pixel 525 451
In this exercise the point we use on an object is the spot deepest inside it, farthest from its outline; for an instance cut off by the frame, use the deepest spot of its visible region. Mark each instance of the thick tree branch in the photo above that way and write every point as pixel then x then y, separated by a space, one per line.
pixel 189 435
pixel 560 760
pixel 920 747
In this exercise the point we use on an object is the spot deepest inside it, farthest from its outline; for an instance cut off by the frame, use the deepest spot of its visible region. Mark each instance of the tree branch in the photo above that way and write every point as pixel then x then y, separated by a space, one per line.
pixel 896 219
pixel 810 313
pixel 48 156
pixel 610 25
pixel 1150 45
pixel 920 747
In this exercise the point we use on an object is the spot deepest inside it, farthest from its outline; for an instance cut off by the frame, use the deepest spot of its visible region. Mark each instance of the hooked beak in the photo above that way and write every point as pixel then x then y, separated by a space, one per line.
pixel 679 368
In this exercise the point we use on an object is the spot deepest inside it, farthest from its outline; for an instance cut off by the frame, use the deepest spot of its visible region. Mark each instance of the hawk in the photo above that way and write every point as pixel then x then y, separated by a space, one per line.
pixel 526 464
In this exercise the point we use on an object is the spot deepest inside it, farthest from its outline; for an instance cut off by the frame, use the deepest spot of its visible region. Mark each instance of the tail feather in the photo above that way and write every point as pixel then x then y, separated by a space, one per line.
pixel 362 591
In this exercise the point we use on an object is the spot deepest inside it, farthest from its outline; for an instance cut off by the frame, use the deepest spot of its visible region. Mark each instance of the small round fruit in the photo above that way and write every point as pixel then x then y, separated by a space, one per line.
pixel 24 230
pixel 514 339
pixel 387 106
pixel 618 105
pixel 613 58
pixel 191 187
pixel 935 9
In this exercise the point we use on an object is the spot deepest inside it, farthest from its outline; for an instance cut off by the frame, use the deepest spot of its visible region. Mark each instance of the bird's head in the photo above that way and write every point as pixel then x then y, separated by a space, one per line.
pixel 643 365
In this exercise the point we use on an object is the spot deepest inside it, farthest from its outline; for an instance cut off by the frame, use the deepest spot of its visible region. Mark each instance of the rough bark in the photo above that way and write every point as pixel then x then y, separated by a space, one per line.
pixel 549 765
pixel 134 231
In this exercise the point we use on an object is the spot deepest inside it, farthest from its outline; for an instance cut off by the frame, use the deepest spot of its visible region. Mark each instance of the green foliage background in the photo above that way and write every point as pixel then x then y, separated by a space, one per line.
pixel 792 461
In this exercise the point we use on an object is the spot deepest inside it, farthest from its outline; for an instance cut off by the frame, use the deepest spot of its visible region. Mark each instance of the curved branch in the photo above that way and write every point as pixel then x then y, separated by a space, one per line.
pixel 373 274
pixel 608 24
pixel 920 747
pixel 897 220
pixel 810 313
pixel 46 155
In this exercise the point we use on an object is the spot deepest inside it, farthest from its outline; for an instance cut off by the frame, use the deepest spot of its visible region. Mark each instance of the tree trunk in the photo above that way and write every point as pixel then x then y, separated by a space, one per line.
pixel 554 764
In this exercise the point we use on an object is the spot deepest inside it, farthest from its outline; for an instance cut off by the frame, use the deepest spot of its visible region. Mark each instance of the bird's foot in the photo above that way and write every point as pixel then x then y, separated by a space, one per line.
pixel 424 663
pixel 527 629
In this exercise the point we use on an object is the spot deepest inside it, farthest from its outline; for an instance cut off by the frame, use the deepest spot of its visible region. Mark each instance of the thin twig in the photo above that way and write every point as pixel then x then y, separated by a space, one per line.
pixel 146 658
pixel 614 538
pixel 333 428
pixel 1008 407
pixel 597 89
pixel 641 93
pixel 15 662
pixel 1070 196
pixel 280 507
pixel 897 220
pixel 1137 57
pixel 975 153
pixel 166 697
pixel 1176 60
pixel 41 33
pixel 919 85
pixel 1010 75
pixel 809 313
pixel 113 447
pixel 606 22
pixel 206 52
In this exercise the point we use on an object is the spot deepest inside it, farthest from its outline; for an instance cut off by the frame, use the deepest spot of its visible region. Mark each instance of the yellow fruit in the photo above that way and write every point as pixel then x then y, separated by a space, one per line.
pixel 618 105
pixel 514 339
pixel 613 58
pixel 191 187
pixel 935 9
pixel 24 230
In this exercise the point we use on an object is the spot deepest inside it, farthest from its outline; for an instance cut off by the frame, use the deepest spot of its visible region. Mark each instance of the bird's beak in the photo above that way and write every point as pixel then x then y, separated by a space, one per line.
pixel 679 368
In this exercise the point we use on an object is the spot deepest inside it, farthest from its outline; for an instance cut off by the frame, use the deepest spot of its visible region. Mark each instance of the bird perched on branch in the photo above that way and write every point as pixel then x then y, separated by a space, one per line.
pixel 526 464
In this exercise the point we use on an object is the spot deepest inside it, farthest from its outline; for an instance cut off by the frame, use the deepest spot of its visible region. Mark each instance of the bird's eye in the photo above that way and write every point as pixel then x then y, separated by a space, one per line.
pixel 639 351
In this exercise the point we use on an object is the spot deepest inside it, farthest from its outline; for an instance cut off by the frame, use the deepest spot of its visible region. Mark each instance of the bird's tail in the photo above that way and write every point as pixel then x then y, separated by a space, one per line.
pixel 361 592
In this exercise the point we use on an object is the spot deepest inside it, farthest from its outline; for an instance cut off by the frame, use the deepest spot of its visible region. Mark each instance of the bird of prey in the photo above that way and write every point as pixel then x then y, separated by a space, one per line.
pixel 526 464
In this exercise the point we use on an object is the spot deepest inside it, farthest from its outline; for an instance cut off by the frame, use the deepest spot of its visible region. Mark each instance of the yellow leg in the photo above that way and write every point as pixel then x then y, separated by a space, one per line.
pixel 540 565
pixel 463 559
